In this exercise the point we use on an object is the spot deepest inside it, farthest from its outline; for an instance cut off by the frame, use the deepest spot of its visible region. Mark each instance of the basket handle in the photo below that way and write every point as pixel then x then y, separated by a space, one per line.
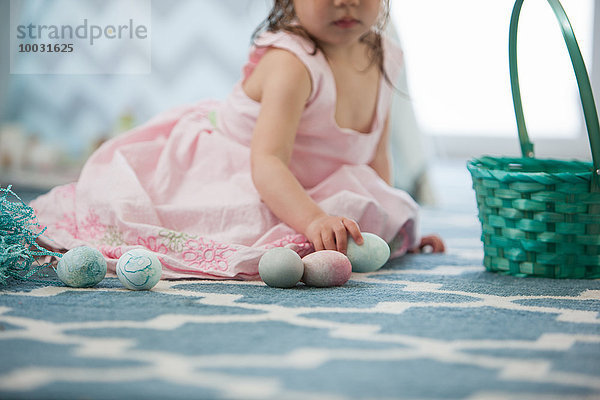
pixel 583 82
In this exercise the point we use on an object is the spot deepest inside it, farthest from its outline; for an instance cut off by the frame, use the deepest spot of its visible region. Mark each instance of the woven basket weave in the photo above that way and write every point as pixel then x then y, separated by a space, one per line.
pixel 541 217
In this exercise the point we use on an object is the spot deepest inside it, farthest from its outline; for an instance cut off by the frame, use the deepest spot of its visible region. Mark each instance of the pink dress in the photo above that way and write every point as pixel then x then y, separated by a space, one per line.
pixel 180 185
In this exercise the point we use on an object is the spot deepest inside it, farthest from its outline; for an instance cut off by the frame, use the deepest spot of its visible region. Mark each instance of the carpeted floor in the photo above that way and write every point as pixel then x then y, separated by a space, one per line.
pixel 423 327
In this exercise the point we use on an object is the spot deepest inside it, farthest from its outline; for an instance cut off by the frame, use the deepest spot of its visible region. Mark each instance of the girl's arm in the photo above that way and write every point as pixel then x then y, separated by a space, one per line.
pixel 381 162
pixel 283 88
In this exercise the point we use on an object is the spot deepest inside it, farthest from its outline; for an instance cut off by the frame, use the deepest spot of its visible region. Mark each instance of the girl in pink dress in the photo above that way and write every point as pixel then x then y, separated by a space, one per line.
pixel 296 156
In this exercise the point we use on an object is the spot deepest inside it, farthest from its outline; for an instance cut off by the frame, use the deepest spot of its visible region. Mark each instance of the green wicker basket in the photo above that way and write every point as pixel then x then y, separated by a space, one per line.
pixel 541 217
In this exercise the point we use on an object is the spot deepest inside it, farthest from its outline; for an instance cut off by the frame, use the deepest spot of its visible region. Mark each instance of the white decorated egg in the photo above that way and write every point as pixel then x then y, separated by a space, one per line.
pixel 81 267
pixel 139 269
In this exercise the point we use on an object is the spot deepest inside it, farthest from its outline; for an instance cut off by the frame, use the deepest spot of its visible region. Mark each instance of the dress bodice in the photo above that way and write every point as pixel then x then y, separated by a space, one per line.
pixel 321 146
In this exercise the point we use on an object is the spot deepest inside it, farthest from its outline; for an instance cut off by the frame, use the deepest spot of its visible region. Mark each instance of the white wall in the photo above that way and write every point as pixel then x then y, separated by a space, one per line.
pixel 457 60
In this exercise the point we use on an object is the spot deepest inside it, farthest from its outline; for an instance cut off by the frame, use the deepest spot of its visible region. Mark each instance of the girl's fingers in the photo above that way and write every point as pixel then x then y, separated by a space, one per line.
pixel 341 237
pixel 328 239
pixel 354 230
pixel 331 233
pixel 318 244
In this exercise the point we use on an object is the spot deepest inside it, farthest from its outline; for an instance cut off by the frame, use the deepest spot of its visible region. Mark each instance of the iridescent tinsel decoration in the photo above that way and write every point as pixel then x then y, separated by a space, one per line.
pixel 19 229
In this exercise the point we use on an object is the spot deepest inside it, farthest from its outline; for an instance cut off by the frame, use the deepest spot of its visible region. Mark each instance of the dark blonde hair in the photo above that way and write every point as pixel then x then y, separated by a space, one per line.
pixel 283 17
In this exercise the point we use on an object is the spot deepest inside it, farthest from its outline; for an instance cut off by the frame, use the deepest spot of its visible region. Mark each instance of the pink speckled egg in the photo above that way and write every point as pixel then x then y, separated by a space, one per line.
pixel 326 268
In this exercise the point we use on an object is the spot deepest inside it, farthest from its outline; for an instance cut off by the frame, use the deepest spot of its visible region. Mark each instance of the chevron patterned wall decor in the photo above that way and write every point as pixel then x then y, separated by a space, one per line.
pixel 198 49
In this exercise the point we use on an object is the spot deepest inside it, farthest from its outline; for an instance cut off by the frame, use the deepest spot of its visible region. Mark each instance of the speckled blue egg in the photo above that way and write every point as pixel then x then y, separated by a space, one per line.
pixel 139 269
pixel 81 267
pixel 281 267
pixel 369 256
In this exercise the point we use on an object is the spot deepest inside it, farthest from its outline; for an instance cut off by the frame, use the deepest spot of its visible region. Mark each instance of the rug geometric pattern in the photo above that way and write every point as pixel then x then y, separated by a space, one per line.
pixel 429 328
pixel 437 331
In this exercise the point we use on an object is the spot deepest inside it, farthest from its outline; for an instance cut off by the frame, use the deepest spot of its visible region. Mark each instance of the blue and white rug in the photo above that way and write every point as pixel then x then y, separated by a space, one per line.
pixel 423 327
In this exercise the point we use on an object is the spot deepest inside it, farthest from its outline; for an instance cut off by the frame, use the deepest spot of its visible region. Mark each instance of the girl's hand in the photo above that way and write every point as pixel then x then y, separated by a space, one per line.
pixel 330 232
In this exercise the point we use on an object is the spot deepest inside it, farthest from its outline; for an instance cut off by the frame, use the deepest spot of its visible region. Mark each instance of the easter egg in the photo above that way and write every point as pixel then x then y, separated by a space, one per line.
pixel 326 268
pixel 281 267
pixel 81 267
pixel 369 256
pixel 139 269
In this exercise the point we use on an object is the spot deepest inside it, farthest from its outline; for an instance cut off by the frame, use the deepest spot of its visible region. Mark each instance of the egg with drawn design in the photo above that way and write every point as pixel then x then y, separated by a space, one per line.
pixel 139 269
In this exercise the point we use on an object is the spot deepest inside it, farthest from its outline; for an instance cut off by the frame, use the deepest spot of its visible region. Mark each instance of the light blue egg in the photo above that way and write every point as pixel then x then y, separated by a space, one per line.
pixel 370 256
pixel 81 267
pixel 139 269
pixel 281 267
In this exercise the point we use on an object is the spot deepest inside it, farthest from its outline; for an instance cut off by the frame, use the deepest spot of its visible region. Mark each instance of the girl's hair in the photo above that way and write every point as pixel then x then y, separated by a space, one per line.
pixel 283 17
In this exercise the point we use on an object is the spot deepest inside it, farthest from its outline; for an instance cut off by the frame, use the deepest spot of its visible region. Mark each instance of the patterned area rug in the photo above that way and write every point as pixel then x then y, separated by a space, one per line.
pixel 422 327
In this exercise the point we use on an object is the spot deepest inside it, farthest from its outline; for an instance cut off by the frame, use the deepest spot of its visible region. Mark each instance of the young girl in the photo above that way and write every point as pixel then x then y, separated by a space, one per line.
pixel 297 155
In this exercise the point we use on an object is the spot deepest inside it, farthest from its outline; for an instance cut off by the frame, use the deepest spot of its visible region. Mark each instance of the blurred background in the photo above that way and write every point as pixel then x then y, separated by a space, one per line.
pixel 456 75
